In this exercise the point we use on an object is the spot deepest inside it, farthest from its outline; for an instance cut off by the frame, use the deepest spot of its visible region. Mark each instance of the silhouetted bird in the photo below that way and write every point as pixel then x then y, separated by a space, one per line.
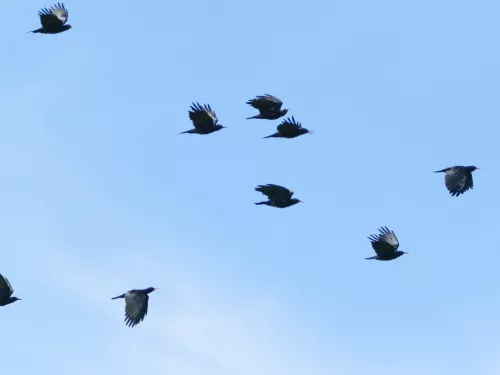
pixel 53 20
pixel 458 179
pixel 269 107
pixel 136 305
pixel 385 244
pixel 204 120
pixel 278 196
pixel 6 292
pixel 289 129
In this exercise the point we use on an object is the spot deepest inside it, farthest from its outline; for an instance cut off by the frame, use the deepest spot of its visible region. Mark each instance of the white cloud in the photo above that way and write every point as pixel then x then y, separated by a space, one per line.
pixel 196 331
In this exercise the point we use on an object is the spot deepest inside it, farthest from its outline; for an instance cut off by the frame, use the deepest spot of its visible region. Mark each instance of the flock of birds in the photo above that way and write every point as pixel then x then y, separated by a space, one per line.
pixel 458 179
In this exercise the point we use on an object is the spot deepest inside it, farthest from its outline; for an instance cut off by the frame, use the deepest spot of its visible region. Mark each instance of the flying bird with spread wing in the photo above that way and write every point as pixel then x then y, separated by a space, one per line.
pixel 458 179
pixel 6 292
pixel 269 107
pixel 53 20
pixel 289 128
pixel 278 196
pixel 136 305
pixel 204 120
pixel 385 244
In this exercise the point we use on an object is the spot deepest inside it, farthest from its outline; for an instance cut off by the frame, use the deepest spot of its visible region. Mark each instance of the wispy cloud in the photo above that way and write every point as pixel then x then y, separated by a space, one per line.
pixel 194 330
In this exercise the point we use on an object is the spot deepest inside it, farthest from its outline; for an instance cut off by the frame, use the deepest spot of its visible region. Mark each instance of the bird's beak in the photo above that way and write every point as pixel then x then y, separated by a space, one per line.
pixel 311 132
pixel 301 201
pixel 405 253
pixel 478 168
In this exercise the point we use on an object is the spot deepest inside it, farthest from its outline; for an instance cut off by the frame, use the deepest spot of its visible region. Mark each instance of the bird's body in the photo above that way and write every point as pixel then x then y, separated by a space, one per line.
pixel 136 305
pixel 385 244
pixel 53 20
pixel 278 196
pixel 204 120
pixel 269 107
pixel 458 179
pixel 289 128
pixel 6 292
pixel 279 203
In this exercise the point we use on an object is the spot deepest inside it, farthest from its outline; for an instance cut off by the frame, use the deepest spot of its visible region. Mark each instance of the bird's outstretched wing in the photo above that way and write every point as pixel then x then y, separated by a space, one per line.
pixel 275 192
pixel 266 103
pixel 458 181
pixel 203 117
pixel 384 243
pixel 289 126
pixel 5 288
pixel 136 308
pixel 54 17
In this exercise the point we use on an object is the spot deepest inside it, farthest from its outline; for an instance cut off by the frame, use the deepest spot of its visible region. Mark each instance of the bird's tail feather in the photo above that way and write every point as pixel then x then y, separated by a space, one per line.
pixel 121 296
pixel 256 116
pixel 260 203
pixel 187 131
pixel 272 135
pixel 442 170
pixel 375 257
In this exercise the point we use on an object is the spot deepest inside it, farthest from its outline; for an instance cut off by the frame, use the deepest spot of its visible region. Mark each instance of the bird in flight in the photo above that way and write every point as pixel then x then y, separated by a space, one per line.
pixel 458 179
pixel 289 128
pixel 269 107
pixel 278 196
pixel 204 120
pixel 136 305
pixel 6 292
pixel 53 20
pixel 385 244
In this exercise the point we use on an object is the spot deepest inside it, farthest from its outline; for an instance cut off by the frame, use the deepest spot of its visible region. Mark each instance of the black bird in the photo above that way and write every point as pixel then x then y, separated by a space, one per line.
pixel 53 20
pixel 269 107
pixel 136 305
pixel 458 179
pixel 6 292
pixel 279 196
pixel 385 244
pixel 204 120
pixel 289 128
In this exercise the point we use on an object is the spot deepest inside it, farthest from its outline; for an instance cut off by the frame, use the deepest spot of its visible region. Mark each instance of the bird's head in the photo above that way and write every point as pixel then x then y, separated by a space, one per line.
pixel 295 201
pixel 219 127
pixel 67 27
pixel 14 299
pixel 150 289
pixel 401 252
pixel 284 111
pixel 472 168
pixel 305 131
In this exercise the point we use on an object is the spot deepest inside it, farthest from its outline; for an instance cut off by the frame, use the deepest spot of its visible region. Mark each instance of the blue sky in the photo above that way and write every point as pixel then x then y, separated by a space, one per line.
pixel 100 195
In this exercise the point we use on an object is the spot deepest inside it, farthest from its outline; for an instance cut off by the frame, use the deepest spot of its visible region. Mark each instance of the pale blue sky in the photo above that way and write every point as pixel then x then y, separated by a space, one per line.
pixel 100 195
